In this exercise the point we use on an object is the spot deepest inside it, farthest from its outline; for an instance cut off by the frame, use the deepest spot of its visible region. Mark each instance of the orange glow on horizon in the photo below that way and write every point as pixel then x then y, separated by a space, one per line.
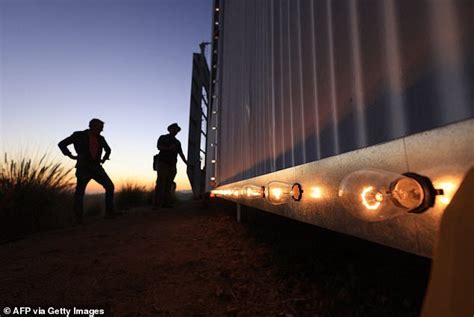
pixel 182 183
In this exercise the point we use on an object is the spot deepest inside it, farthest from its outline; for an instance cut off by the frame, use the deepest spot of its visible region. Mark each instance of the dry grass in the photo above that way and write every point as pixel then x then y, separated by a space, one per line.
pixel 132 195
pixel 34 194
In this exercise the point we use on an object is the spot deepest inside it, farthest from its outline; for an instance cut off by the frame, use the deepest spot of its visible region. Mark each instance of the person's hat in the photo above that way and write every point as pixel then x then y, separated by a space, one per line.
pixel 174 126
pixel 95 121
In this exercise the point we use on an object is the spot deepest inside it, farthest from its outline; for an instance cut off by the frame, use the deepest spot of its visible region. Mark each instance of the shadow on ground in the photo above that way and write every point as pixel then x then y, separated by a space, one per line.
pixel 196 260
pixel 330 274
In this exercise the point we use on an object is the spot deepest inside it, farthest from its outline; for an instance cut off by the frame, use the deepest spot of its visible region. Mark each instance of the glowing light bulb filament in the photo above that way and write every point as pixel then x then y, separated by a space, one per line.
pixel 276 193
pixel 316 192
pixel 370 199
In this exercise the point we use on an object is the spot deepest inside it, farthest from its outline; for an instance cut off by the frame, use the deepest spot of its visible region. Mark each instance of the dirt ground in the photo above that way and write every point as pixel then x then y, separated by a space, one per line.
pixel 196 261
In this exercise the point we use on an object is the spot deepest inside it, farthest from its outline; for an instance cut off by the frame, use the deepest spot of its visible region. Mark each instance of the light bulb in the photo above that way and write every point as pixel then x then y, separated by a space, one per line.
pixel 253 191
pixel 449 186
pixel 376 195
pixel 278 193
pixel 236 192
pixel 218 192
pixel 316 192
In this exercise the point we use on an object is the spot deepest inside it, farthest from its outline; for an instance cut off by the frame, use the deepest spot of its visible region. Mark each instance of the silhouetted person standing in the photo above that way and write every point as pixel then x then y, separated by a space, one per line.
pixel 89 145
pixel 169 148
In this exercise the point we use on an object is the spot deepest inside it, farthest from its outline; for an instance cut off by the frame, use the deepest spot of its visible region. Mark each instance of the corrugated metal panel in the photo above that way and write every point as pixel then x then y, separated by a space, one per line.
pixel 303 80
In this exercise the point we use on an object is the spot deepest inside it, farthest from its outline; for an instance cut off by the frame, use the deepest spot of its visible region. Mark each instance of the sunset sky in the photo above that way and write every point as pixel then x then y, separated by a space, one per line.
pixel 127 62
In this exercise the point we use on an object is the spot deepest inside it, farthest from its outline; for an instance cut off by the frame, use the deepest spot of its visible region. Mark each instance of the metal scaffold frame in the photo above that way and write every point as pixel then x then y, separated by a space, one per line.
pixel 204 119
pixel 198 121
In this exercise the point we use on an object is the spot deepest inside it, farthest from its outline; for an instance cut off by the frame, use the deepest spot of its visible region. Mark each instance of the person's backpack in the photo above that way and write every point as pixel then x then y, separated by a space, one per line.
pixel 155 162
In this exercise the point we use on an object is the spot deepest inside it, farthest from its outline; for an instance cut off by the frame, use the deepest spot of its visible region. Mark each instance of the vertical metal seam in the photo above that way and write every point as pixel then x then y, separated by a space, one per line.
pixel 315 79
pixel 358 86
pixel 332 76
pixel 290 84
pixel 303 133
pixel 273 85
pixel 281 89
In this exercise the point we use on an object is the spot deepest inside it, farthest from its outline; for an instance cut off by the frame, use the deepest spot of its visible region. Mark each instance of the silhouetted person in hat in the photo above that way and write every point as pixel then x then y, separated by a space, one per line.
pixel 169 148
pixel 89 145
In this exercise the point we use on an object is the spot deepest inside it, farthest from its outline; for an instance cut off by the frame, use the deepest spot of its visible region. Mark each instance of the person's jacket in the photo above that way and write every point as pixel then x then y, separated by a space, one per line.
pixel 169 156
pixel 80 140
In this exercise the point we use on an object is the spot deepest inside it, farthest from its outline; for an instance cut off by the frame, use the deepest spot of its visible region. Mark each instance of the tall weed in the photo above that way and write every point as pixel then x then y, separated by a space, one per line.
pixel 34 195
pixel 132 195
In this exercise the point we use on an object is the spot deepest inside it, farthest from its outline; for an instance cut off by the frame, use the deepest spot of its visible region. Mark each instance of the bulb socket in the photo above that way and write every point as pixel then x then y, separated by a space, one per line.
pixel 429 192
pixel 296 192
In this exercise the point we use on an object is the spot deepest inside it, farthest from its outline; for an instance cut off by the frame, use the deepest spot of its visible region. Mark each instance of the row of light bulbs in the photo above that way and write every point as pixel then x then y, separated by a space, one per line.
pixel 369 194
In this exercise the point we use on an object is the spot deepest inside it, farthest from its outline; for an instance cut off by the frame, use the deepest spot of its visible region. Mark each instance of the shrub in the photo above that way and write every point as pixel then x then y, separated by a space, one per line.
pixel 33 195
pixel 132 195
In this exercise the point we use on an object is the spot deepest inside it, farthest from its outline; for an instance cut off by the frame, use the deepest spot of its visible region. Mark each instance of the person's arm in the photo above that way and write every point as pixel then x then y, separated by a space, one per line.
pixel 107 150
pixel 65 143
pixel 181 154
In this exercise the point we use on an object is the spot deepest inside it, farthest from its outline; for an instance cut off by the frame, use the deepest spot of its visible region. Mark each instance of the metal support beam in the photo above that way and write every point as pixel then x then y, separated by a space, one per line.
pixel 199 99
pixel 239 213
